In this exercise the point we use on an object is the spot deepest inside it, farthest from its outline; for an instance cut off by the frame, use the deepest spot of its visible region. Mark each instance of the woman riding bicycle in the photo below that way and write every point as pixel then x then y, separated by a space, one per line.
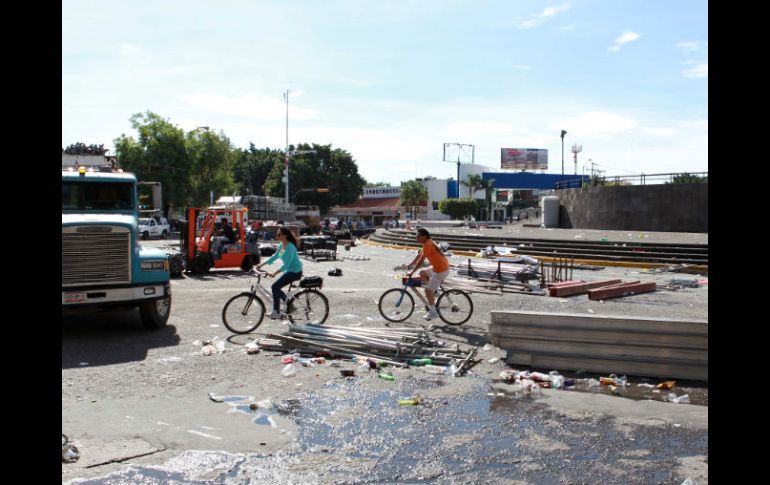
pixel 434 276
pixel 292 268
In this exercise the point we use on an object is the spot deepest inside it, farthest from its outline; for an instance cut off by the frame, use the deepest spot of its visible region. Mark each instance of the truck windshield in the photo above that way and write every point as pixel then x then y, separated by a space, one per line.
pixel 97 196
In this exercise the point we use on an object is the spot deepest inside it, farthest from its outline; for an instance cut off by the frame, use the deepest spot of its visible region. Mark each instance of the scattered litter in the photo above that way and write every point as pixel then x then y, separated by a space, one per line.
pixel 488 347
pixel 649 386
pixel 665 385
pixel 83 364
pixel 214 325
pixel 493 360
pixel 289 370
pixel 386 376
pixel 412 401
pixel 197 343
pixel 252 348
pixel 347 372
pixel 590 311
pixel 685 399
pixel 69 452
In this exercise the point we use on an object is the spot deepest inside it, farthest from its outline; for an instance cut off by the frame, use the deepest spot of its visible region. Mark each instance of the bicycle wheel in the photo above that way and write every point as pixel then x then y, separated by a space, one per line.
pixel 396 305
pixel 308 306
pixel 454 307
pixel 243 313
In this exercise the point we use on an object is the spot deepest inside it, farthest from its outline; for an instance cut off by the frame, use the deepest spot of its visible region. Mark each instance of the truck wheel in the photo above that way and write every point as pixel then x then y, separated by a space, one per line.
pixel 145 235
pixel 201 264
pixel 155 313
pixel 164 234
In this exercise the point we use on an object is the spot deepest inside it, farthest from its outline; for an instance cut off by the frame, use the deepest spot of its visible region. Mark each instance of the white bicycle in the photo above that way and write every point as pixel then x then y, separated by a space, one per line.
pixel 244 312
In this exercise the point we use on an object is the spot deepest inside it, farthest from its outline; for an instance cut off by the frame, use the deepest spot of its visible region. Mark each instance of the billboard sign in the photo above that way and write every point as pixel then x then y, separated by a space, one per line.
pixel 523 158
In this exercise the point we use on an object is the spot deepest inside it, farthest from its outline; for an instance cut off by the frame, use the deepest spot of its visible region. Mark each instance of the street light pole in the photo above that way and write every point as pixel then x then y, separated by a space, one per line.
pixel 286 153
pixel 563 132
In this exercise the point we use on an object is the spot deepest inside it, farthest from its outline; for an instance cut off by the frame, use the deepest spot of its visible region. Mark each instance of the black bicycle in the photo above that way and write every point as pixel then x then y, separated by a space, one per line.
pixel 244 312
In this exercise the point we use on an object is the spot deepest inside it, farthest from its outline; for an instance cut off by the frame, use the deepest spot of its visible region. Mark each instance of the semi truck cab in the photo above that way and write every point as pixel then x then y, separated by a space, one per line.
pixel 104 266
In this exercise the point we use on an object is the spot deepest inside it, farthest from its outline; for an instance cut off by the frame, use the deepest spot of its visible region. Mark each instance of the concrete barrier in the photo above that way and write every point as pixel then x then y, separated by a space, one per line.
pixel 605 344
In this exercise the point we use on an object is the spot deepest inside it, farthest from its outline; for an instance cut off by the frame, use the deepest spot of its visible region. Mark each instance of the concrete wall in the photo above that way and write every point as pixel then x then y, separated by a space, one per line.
pixel 670 208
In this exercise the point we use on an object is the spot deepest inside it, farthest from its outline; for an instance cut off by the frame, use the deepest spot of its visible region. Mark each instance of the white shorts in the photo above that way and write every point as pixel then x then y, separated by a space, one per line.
pixel 435 278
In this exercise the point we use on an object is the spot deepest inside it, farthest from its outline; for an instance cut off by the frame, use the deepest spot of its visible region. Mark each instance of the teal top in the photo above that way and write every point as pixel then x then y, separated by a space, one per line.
pixel 291 262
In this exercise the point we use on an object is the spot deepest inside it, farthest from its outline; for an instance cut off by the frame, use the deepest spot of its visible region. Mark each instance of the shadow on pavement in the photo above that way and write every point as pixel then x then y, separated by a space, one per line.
pixel 110 338
pixel 217 274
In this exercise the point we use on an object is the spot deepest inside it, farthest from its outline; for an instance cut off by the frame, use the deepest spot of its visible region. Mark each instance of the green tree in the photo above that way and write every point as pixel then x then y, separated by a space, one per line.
pixel 252 167
pixel 158 155
pixel 458 208
pixel 413 194
pixel 688 178
pixel 334 169
pixel 212 158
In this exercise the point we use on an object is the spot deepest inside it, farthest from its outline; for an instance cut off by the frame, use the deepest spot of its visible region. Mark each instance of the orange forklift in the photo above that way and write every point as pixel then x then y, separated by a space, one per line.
pixel 196 241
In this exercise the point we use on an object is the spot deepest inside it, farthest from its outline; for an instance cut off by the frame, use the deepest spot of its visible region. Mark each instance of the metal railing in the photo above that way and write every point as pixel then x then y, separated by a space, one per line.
pixel 641 179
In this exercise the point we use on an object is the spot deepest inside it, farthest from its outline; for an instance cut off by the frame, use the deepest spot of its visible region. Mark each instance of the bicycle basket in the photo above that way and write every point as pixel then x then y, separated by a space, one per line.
pixel 413 281
pixel 311 282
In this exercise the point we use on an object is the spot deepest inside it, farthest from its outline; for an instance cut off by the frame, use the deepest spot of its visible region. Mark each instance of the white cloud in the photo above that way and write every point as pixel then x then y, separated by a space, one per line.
pixel 624 39
pixel 130 50
pixel 699 71
pixel 264 107
pixel 689 46
pixel 539 19
pixel 598 123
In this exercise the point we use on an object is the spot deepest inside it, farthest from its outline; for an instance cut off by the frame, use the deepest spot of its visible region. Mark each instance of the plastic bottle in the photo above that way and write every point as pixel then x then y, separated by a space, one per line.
pixel 420 362
pixel 363 367
pixel 289 370
pixel 621 381
pixel 412 401
pixel 435 369
pixel 386 377
pixel 557 381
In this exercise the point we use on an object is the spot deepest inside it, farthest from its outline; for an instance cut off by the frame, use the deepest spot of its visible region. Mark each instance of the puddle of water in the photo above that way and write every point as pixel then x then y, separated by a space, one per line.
pixel 355 431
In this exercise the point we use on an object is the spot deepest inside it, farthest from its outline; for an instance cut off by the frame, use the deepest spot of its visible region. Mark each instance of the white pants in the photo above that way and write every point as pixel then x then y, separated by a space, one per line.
pixel 435 278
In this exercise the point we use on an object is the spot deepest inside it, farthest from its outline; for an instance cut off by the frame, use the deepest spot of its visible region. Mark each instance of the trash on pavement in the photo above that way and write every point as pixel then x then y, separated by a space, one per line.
pixel 69 452
pixel 289 370
pixel 665 385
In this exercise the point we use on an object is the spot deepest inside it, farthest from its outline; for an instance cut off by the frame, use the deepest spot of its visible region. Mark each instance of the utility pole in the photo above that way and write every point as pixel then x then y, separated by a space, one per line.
pixel 286 153
pixel 459 150
pixel 575 150
pixel 563 132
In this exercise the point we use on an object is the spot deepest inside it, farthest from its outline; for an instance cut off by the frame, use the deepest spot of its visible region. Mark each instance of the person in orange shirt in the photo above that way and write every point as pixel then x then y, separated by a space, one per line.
pixel 434 276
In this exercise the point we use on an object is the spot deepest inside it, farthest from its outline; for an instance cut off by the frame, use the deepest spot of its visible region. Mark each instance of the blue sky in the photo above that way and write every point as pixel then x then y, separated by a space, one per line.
pixel 392 81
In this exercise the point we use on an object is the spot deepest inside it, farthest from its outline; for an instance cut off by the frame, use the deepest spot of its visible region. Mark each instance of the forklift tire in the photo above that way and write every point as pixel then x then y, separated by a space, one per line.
pixel 145 235
pixel 201 264
pixel 155 313
pixel 247 264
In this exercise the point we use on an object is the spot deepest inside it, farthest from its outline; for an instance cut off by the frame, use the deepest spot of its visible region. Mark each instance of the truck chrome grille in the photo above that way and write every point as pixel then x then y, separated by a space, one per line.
pixel 95 255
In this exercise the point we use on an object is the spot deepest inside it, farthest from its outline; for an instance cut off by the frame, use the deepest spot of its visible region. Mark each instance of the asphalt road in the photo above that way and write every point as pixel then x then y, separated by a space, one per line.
pixel 136 403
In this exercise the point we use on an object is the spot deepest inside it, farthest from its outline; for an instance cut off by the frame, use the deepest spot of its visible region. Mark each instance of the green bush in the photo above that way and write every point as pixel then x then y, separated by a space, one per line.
pixel 458 208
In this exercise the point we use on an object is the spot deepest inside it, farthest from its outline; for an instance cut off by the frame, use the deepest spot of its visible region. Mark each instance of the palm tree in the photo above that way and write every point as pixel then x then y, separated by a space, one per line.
pixel 413 193
pixel 473 183
pixel 488 186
